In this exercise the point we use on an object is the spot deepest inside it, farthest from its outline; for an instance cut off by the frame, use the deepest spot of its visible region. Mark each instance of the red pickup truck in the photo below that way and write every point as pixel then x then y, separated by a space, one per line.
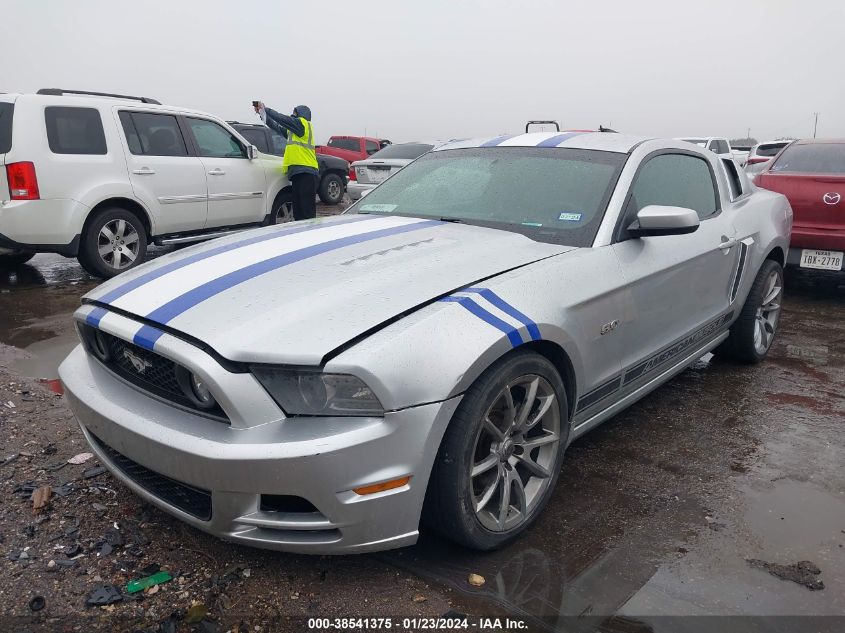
pixel 352 148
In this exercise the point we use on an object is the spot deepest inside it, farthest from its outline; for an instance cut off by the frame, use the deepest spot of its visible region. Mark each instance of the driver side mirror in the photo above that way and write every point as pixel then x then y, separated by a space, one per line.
pixel 660 220
pixel 251 152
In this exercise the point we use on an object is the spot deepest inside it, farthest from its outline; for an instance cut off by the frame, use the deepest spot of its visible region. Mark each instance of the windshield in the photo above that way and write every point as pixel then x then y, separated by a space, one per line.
pixel 403 150
pixel 813 158
pixel 556 195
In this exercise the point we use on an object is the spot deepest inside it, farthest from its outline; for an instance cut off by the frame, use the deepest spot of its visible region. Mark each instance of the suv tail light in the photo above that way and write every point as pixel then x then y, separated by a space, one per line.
pixel 352 175
pixel 23 184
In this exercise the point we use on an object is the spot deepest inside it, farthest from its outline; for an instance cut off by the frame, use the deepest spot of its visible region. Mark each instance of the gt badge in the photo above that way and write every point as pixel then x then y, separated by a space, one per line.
pixel 609 327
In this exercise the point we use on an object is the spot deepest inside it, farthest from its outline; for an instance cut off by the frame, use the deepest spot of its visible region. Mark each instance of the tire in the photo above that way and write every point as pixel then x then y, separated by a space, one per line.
pixel 113 241
pixel 752 333
pixel 15 258
pixel 282 209
pixel 467 508
pixel 332 188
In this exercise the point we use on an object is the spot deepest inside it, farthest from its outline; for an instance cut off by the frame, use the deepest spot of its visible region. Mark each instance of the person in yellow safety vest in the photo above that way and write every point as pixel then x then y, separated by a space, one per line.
pixel 300 160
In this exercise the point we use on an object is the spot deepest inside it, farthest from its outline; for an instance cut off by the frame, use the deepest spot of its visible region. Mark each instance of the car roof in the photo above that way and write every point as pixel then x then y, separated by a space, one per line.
pixel 822 141
pixel 605 141
pixel 94 101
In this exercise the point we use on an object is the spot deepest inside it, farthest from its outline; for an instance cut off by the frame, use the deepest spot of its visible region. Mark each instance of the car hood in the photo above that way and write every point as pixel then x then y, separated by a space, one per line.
pixel 294 293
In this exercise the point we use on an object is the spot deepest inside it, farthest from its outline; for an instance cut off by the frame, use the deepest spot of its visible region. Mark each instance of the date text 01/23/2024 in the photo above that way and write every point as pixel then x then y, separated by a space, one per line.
pixel 482 624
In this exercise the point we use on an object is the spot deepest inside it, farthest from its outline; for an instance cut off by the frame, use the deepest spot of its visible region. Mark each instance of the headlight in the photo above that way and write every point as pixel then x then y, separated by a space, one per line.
pixel 304 392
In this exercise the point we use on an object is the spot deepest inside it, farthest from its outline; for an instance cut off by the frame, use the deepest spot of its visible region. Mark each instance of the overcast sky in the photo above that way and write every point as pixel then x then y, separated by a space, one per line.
pixel 439 69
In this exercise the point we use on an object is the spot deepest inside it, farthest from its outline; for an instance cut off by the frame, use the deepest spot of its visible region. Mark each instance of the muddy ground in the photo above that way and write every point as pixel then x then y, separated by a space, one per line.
pixel 714 496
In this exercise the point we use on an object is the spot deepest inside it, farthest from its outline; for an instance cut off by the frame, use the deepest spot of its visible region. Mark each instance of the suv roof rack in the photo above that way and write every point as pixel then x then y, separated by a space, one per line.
pixel 57 92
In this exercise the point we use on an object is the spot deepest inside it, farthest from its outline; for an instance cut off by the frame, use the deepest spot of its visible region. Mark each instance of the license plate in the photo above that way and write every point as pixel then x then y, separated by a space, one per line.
pixel 378 175
pixel 823 260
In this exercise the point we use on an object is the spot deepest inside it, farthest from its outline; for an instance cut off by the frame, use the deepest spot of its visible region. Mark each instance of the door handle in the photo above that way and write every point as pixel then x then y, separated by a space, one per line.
pixel 727 243
pixel 144 171
pixel 217 172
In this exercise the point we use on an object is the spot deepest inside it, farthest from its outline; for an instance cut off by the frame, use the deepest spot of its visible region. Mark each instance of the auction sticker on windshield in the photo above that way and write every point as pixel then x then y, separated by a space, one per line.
pixel 569 216
pixel 379 208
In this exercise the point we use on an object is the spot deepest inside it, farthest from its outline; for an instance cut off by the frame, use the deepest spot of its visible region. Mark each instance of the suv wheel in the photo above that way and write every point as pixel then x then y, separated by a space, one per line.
pixel 282 209
pixel 114 241
pixel 754 330
pixel 331 189
pixel 15 258
pixel 501 455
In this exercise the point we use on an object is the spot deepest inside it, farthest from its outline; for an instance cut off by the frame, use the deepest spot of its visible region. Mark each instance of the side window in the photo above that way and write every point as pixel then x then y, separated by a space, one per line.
pixel 153 134
pixel 214 141
pixel 675 180
pixel 372 147
pixel 277 144
pixel 734 180
pixel 256 136
pixel 74 130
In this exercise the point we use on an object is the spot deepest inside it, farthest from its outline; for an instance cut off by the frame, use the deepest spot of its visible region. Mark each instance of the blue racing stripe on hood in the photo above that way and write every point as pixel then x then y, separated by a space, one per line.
pixel 556 140
pixel 495 141
pixel 140 280
pixel 95 316
pixel 188 300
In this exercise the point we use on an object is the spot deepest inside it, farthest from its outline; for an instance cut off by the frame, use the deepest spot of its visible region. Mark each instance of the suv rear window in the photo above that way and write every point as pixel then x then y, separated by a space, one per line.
pixel 815 158
pixel 6 112
pixel 74 130
pixel 153 134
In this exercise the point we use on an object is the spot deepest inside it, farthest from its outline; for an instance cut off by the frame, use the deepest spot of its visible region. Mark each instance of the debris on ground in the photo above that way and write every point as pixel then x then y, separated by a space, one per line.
pixel 196 613
pixel 476 580
pixel 40 498
pixel 803 572
pixel 37 603
pixel 93 472
pixel 419 598
pixel 103 595
pixel 81 458
pixel 140 584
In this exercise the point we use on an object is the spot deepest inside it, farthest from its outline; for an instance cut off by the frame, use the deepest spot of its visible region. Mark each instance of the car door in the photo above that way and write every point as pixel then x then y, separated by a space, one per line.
pixel 679 286
pixel 165 177
pixel 236 184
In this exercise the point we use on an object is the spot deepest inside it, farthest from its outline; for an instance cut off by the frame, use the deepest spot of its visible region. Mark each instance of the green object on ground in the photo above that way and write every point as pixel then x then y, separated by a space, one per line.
pixel 134 586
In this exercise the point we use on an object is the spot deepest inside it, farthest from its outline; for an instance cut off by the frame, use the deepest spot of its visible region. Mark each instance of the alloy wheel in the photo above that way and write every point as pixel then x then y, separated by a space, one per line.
pixel 284 213
pixel 766 320
pixel 334 190
pixel 118 244
pixel 515 453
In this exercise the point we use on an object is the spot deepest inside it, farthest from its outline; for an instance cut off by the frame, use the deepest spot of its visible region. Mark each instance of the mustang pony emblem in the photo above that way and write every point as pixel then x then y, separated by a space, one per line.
pixel 831 198
pixel 139 364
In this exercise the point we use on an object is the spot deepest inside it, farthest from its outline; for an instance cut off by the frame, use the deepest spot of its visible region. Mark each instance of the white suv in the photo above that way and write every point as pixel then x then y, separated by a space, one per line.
pixel 99 176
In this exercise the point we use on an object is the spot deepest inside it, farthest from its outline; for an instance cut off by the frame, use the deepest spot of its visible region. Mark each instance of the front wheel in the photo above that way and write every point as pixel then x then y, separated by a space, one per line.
pixel 754 330
pixel 501 455
pixel 114 241
pixel 282 209
pixel 15 258
pixel 331 189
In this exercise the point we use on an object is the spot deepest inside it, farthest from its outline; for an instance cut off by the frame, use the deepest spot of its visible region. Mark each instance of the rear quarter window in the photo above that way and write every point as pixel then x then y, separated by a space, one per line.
pixel 74 130
pixel 6 112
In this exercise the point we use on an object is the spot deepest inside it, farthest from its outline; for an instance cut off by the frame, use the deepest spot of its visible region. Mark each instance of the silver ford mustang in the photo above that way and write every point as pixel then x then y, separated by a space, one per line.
pixel 327 386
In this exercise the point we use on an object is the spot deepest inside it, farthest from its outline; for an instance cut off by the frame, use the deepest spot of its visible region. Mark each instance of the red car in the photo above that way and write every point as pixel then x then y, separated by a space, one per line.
pixel 811 174
pixel 352 148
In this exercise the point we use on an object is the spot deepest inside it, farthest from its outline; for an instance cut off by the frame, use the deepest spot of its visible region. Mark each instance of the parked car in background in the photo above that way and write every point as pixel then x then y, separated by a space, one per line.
pixel 811 174
pixel 333 170
pixel 99 176
pixel 366 174
pixel 740 154
pixel 326 386
pixel 352 148
pixel 716 144
pixel 761 154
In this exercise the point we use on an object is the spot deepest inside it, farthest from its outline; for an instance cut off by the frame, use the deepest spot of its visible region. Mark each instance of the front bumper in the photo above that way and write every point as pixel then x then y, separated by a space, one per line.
pixel 317 459
pixel 356 189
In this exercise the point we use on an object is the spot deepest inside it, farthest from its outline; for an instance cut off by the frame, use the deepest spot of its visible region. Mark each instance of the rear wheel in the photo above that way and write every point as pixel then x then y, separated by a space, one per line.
pixel 754 330
pixel 331 189
pixel 114 241
pixel 501 455
pixel 15 258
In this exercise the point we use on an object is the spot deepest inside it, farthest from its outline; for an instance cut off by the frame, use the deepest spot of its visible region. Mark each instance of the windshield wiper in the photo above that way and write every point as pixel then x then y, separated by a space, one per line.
pixel 454 220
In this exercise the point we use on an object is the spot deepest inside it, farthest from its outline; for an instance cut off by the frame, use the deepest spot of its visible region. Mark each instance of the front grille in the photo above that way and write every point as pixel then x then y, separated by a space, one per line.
pixel 193 501
pixel 148 371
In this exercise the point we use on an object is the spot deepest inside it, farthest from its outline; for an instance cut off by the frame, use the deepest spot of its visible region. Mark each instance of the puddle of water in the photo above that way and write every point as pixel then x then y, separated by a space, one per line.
pixel 44 357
